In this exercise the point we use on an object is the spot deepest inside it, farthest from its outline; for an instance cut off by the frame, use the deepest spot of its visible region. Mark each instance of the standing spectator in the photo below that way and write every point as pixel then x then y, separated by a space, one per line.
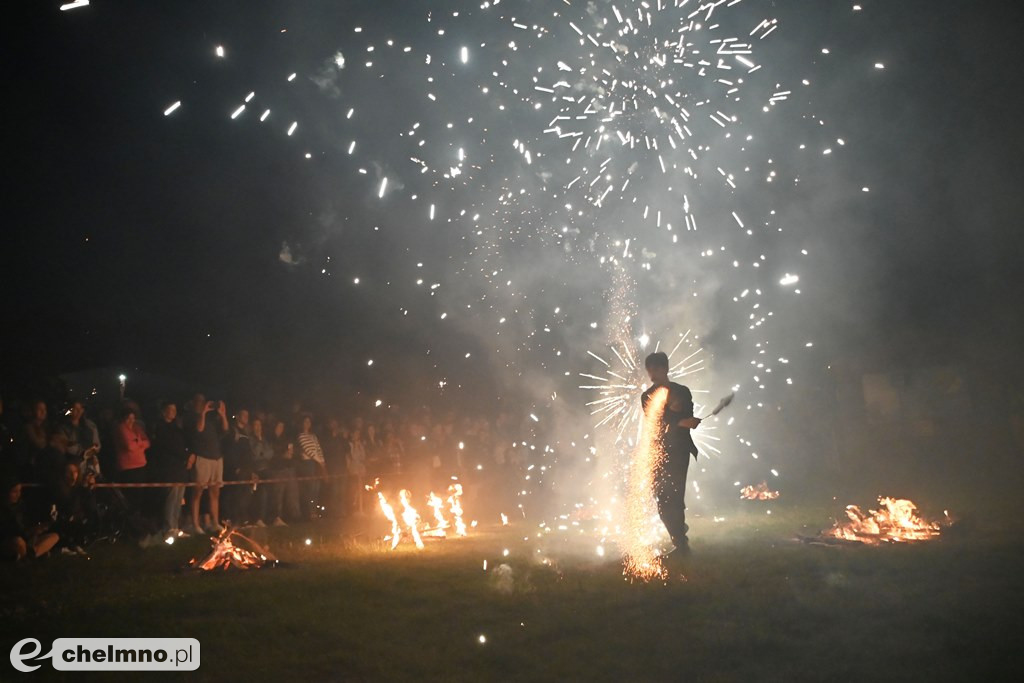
pixel 17 540
pixel 131 443
pixel 207 422
pixel 171 462
pixel 356 466
pixel 335 446
pixel 35 438
pixel 284 497
pixel 311 464
pixel 238 467
pixel 262 456
pixel 6 444
pixel 80 431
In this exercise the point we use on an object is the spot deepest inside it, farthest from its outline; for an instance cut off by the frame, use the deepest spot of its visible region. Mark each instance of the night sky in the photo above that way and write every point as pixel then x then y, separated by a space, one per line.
pixel 142 241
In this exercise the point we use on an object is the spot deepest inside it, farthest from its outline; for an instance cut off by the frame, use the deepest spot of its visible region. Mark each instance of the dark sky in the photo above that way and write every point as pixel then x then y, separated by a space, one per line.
pixel 141 241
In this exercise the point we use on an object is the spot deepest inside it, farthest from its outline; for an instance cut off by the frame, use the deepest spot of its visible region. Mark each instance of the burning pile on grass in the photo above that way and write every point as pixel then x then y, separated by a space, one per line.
pixel 758 492
pixel 896 521
pixel 234 550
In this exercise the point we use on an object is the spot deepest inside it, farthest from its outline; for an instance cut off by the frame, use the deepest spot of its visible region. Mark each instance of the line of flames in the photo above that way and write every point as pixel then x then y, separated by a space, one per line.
pixel 897 521
pixel 410 523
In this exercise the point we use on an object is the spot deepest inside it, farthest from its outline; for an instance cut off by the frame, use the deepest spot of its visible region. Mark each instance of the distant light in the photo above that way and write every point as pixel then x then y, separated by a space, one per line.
pixel 121 378
pixel 219 51
pixel 482 639
pixel 309 541
pixel 169 540
pixel 171 109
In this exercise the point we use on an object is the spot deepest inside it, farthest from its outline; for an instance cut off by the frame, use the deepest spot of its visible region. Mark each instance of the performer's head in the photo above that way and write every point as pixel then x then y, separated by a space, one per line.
pixel 657 367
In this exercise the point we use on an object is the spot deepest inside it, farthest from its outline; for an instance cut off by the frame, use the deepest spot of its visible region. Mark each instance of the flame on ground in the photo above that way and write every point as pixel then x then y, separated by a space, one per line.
pixel 410 524
pixel 758 492
pixel 227 554
pixel 897 521
pixel 640 556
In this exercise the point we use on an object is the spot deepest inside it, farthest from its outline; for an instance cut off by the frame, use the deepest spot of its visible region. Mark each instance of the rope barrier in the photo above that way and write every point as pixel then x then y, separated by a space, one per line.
pixel 192 484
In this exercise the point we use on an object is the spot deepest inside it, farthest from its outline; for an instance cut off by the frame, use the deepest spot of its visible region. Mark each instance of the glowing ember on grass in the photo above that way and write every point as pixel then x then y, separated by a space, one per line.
pixel 229 552
pixel 758 492
pixel 640 557
pixel 897 521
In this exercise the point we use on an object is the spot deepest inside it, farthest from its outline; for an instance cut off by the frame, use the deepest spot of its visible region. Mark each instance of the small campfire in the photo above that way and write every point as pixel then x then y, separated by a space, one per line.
pixel 896 521
pixel 758 492
pixel 234 550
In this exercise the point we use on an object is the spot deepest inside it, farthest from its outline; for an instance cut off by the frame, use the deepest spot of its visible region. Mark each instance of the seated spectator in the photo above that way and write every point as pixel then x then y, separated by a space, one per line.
pixel 50 461
pixel 18 539
pixel 74 510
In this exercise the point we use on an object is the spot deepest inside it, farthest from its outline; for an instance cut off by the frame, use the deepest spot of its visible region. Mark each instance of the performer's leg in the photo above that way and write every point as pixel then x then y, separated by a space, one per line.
pixel 671 501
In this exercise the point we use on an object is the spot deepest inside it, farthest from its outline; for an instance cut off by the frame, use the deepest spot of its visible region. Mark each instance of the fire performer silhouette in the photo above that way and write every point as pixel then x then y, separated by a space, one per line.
pixel 676 421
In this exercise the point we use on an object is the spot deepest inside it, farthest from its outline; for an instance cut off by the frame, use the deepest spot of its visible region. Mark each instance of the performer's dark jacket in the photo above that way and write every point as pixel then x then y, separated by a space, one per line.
pixel 677 441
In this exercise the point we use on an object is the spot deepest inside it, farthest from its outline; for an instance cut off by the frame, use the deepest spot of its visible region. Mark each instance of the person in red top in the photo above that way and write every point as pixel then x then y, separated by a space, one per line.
pixel 131 443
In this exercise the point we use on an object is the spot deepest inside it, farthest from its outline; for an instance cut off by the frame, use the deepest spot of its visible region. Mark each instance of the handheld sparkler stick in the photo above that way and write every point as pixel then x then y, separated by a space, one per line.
pixel 724 403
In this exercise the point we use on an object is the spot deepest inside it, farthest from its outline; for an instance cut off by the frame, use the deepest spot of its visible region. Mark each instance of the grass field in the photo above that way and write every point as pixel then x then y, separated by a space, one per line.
pixel 755 605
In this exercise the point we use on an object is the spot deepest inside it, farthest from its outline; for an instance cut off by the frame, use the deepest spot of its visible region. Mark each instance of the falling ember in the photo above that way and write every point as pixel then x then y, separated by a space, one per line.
pixel 758 492
pixel 897 521
pixel 641 559
pixel 226 554
pixel 504 519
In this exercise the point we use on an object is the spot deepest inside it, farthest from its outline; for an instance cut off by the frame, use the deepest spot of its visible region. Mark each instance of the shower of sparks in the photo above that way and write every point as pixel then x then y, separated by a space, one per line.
pixel 640 554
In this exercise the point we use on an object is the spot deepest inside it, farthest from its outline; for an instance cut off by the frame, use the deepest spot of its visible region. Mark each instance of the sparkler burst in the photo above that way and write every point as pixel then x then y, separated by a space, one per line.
pixel 649 92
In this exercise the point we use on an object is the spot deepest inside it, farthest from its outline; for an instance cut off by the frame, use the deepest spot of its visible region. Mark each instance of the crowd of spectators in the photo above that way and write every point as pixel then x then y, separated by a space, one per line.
pixel 295 466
